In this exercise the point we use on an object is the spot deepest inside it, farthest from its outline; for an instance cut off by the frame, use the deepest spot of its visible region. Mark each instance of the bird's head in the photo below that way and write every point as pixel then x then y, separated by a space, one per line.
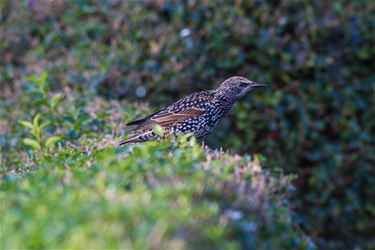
pixel 238 86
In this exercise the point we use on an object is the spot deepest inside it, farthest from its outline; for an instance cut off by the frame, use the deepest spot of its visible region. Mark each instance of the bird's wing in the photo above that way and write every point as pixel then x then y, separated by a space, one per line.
pixel 190 106
pixel 139 121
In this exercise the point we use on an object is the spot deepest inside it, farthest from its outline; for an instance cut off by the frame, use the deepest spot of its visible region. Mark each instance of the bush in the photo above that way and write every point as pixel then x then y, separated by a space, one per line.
pixel 66 186
pixel 316 120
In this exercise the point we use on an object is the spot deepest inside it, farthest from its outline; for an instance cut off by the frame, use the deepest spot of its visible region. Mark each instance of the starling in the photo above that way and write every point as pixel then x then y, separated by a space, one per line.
pixel 197 113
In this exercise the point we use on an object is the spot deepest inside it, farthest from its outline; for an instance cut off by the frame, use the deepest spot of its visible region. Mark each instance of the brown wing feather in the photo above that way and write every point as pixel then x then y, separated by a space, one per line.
pixel 182 110
pixel 166 118
pixel 139 121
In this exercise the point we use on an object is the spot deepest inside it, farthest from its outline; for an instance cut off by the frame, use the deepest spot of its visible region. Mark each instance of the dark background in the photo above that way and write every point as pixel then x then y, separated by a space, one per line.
pixel 317 118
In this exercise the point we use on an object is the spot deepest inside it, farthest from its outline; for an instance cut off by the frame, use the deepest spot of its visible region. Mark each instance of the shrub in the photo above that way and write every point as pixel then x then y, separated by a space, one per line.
pixel 79 191
pixel 316 119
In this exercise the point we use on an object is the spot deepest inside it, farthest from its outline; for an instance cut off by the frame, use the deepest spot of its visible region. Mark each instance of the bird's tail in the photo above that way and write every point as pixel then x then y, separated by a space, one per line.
pixel 141 137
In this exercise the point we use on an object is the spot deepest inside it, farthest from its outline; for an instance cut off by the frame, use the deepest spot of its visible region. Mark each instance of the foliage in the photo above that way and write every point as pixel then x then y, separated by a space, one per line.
pixel 316 119
pixel 86 193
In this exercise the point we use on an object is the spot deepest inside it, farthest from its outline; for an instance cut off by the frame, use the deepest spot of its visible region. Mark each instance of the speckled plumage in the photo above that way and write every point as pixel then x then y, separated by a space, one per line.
pixel 197 113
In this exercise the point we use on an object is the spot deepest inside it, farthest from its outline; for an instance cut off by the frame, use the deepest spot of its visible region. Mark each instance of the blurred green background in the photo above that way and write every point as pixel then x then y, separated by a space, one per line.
pixel 317 118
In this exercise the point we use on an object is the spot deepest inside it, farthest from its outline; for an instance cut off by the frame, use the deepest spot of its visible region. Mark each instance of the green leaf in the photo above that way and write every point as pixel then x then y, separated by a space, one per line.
pixel 44 124
pixel 26 124
pixel 36 129
pixel 43 78
pixel 41 101
pixel 36 120
pixel 39 82
pixel 33 79
pixel 33 143
pixel 158 130
pixel 52 140
pixel 56 100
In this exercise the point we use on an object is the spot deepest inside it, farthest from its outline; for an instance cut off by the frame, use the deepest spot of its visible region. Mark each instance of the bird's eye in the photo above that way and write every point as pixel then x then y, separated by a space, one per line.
pixel 244 84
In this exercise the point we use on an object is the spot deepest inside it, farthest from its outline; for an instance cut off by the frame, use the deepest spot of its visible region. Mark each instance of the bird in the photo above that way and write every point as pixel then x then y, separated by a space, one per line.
pixel 197 113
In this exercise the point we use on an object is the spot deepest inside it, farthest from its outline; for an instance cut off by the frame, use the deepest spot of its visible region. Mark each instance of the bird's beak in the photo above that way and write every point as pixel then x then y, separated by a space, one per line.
pixel 257 84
